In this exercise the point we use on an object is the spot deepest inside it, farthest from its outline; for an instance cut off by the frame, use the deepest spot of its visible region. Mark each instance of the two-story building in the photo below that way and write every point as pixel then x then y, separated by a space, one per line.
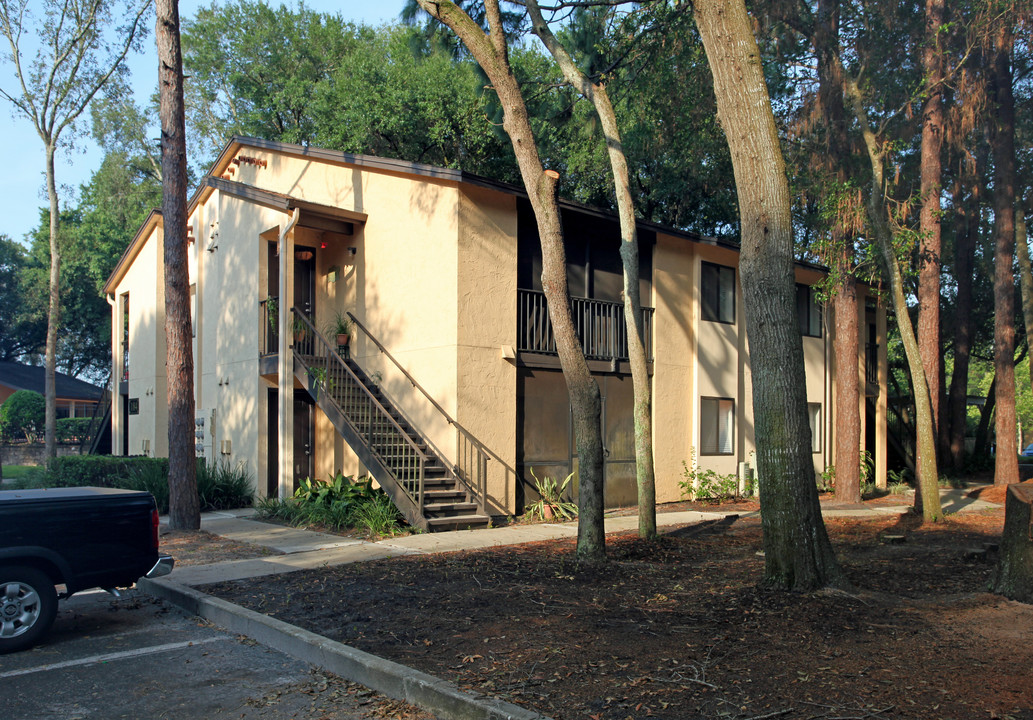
pixel 449 390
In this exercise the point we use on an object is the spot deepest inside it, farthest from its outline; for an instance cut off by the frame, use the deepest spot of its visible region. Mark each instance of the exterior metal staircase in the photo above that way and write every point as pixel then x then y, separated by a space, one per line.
pixel 431 492
pixel 100 425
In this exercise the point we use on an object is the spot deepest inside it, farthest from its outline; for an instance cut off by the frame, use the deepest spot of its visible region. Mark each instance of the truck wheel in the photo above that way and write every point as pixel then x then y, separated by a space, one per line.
pixel 28 605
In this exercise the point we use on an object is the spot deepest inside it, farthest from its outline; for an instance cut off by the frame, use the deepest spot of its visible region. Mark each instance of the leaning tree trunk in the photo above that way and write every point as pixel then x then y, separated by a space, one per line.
pixel 1006 466
pixel 986 414
pixel 1013 576
pixel 597 94
pixel 930 245
pixel 927 499
pixel 184 512
pixel 797 550
pixel 491 54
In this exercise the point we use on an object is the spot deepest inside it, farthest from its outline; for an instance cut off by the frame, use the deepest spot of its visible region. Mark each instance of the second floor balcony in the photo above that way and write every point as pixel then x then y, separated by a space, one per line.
pixel 600 326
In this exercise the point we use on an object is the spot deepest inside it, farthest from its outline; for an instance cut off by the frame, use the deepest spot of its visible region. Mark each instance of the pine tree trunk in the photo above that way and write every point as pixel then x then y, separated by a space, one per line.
pixel 848 393
pixel 1006 467
pixel 797 551
pixel 490 52
pixel 53 313
pixel 930 246
pixel 845 343
pixel 184 512
pixel 964 259
pixel 927 499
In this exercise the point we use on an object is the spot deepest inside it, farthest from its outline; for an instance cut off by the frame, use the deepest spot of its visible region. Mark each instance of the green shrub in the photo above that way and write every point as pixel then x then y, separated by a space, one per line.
pixel 706 484
pixel 24 414
pixel 221 486
pixel 377 516
pixel 72 430
pixel 152 477
pixel 100 471
pixel 338 503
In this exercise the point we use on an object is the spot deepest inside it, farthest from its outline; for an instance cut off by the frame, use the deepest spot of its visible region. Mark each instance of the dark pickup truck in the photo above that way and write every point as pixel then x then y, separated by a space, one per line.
pixel 58 541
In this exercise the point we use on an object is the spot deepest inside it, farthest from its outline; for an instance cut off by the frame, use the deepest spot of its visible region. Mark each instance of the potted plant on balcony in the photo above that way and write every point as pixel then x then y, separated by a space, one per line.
pixel 272 311
pixel 341 326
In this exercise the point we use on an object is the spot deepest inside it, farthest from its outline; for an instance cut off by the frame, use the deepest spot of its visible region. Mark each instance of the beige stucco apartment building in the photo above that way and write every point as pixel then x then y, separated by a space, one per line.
pixel 450 369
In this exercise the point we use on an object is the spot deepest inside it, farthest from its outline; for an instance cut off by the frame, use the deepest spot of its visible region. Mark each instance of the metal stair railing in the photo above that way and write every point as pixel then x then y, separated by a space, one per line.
pixel 331 377
pixel 471 468
pixel 91 438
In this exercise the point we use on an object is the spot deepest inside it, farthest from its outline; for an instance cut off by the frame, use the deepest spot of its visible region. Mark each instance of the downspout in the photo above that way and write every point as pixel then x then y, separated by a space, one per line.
pixel 285 361
pixel 827 419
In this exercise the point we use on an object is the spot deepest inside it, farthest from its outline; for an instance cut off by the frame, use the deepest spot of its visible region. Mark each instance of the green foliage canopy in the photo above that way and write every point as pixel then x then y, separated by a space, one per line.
pixel 23 414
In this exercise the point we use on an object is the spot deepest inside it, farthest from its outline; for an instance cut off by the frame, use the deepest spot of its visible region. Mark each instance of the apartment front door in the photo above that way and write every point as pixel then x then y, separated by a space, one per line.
pixel 304 437
pixel 305 280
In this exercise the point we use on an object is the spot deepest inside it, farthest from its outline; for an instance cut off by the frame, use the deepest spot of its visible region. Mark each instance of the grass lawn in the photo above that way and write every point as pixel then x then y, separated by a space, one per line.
pixel 19 472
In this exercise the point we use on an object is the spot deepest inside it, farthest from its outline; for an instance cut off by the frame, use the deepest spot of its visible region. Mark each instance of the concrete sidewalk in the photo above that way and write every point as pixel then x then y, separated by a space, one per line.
pixel 304 549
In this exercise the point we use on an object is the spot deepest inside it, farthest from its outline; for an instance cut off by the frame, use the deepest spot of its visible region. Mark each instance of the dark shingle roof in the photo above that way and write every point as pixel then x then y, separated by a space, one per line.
pixel 30 377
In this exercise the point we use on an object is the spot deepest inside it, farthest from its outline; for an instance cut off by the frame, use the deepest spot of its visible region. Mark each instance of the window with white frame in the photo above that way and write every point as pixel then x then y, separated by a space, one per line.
pixel 716 426
pixel 808 311
pixel 814 418
pixel 193 310
pixel 717 293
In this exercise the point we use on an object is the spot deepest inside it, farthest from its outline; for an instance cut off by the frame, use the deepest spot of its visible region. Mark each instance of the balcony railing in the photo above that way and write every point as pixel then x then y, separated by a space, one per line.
pixel 600 326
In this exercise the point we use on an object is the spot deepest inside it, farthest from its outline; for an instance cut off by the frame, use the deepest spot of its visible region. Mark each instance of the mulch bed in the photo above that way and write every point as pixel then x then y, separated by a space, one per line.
pixel 679 628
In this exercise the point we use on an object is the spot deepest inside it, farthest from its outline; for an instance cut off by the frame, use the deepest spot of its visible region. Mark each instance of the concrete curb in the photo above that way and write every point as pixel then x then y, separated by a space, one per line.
pixel 395 680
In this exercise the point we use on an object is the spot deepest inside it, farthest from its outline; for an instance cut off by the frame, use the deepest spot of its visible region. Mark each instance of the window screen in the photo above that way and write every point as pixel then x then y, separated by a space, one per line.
pixel 717 426
pixel 717 293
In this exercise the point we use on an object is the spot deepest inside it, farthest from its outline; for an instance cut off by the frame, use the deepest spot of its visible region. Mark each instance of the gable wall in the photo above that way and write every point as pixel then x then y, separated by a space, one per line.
pixel 145 283
pixel 402 282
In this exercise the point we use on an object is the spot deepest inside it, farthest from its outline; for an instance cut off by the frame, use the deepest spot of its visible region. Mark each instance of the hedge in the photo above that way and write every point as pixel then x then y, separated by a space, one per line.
pixel 72 430
pixel 219 486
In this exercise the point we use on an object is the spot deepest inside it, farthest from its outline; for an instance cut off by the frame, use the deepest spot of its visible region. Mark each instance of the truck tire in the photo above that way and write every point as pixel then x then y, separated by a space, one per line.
pixel 28 605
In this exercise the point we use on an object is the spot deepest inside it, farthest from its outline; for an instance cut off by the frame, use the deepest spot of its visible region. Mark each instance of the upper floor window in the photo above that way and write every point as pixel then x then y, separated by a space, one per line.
pixel 808 311
pixel 717 293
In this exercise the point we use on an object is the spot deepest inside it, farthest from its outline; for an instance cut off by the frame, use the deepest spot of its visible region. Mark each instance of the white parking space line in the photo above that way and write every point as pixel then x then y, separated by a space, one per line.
pixel 125 654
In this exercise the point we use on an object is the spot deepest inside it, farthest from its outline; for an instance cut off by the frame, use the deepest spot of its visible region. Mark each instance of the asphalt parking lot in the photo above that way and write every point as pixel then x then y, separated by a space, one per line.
pixel 136 657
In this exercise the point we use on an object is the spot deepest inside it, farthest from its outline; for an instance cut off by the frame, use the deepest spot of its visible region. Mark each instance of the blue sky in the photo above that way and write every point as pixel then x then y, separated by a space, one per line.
pixel 22 185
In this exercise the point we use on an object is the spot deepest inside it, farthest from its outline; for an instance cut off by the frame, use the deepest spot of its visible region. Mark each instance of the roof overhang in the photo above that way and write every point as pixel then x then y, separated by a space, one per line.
pixel 312 215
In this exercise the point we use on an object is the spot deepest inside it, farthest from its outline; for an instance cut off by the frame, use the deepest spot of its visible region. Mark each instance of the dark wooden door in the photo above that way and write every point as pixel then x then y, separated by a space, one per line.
pixel 305 281
pixel 304 437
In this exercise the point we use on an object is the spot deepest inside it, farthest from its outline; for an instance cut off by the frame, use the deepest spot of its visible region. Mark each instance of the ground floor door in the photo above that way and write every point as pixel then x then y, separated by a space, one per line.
pixel 545 435
pixel 125 425
pixel 272 459
pixel 305 281
pixel 304 437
